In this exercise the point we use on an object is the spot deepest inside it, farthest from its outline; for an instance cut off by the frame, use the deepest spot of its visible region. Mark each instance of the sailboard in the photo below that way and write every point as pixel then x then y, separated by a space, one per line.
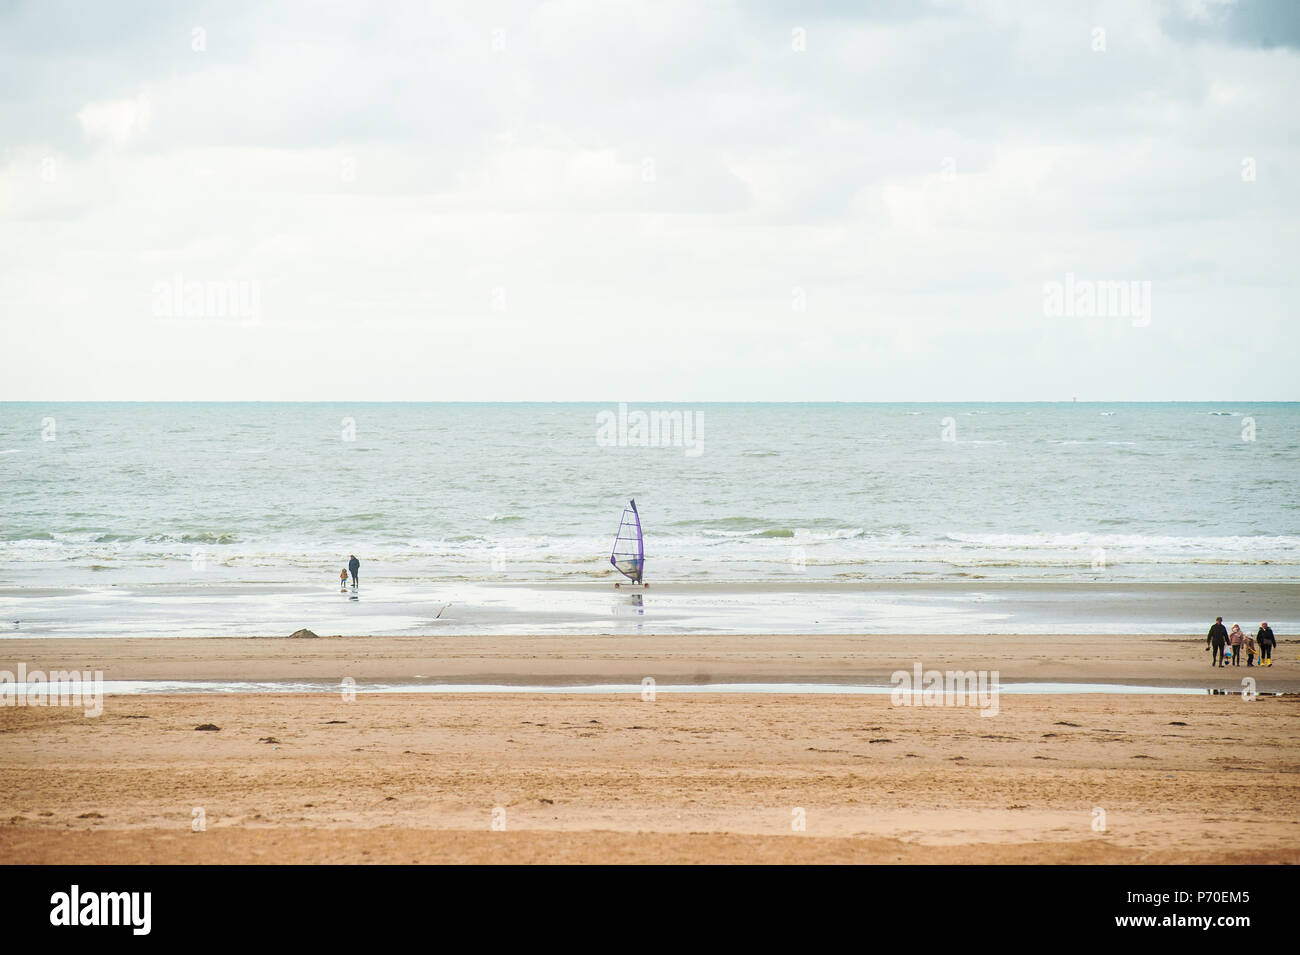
pixel 628 555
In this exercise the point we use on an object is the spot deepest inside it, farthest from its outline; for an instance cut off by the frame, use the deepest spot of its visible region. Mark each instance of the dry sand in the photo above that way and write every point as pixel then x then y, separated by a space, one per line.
pixel 685 778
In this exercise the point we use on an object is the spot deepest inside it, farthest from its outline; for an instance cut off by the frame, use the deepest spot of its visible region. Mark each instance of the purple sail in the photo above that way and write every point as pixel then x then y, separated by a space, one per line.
pixel 628 555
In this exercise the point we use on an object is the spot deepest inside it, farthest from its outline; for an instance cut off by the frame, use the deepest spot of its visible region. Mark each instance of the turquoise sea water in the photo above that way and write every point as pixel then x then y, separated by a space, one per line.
pixel 851 491
pixel 187 498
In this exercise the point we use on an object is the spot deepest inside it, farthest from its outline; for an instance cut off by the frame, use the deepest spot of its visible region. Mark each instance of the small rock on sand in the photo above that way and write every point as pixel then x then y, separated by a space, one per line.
pixel 301 634
pixel 211 727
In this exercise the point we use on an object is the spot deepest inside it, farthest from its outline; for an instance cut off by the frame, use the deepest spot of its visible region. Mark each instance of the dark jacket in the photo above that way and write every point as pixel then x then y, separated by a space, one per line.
pixel 1217 636
pixel 1265 637
pixel 354 565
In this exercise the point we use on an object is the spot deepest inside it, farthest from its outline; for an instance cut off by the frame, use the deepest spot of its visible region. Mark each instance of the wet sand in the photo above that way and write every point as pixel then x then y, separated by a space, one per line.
pixel 202 607
pixel 578 659
pixel 682 778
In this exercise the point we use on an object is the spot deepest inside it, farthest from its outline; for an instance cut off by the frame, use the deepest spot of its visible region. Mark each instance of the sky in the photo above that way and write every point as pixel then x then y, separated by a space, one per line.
pixel 640 201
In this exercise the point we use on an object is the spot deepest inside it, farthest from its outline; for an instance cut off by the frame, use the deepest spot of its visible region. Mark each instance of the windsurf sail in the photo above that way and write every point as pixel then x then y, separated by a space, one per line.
pixel 628 555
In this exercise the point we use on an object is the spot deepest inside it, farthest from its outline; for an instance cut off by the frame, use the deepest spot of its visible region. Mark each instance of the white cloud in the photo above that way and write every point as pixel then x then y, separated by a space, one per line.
pixel 116 122
pixel 382 177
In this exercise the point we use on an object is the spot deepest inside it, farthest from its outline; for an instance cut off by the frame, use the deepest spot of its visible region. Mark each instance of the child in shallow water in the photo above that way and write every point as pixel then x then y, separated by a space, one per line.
pixel 343 580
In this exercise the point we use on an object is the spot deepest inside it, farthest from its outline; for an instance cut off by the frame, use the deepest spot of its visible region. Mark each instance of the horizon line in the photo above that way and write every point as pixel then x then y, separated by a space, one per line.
pixel 640 401
pixel 637 403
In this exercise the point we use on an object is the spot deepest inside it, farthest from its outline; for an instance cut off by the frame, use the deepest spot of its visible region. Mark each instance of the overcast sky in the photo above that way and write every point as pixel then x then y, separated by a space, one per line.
pixel 647 201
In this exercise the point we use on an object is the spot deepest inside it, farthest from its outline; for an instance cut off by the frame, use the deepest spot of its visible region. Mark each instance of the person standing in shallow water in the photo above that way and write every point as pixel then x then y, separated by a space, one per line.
pixel 1215 640
pixel 354 565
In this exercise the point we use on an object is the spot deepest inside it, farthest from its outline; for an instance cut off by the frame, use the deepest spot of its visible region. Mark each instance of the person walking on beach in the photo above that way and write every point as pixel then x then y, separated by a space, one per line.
pixel 1249 646
pixel 1266 642
pixel 353 566
pixel 1236 638
pixel 1217 637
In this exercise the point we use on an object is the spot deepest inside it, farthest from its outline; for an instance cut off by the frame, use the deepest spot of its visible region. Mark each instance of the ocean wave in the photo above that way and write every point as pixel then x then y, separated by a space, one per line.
pixel 202 537
pixel 95 536
pixel 853 541
pixel 802 534
pixel 723 522
pixel 1129 542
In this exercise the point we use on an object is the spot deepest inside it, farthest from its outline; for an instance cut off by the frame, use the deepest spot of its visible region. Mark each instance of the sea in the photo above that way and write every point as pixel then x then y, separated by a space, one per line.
pixel 214 518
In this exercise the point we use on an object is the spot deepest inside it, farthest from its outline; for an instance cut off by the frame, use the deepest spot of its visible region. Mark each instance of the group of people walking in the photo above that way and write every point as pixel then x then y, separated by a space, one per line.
pixel 1232 645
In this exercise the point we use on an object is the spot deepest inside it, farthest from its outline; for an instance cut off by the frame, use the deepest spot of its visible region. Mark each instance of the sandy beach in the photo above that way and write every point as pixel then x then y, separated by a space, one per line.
pixel 668 658
pixel 418 777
